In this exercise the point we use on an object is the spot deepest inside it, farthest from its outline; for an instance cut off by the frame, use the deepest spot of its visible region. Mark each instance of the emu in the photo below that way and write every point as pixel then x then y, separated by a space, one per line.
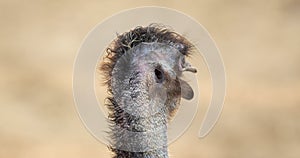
pixel 142 69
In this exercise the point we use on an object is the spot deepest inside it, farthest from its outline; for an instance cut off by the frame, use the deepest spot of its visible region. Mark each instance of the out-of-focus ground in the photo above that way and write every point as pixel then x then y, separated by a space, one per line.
pixel 259 41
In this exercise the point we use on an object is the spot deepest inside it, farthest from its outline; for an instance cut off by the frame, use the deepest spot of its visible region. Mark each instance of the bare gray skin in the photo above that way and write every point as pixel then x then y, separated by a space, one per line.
pixel 147 88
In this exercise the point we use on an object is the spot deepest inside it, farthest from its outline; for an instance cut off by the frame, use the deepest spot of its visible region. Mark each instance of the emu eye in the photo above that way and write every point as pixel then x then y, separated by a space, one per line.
pixel 159 75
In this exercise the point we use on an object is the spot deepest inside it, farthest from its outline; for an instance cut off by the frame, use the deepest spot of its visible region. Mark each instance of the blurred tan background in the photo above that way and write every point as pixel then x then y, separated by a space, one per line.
pixel 259 42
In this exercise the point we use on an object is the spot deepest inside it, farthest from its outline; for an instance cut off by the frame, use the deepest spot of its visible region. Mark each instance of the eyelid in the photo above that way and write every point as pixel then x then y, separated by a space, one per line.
pixel 159 74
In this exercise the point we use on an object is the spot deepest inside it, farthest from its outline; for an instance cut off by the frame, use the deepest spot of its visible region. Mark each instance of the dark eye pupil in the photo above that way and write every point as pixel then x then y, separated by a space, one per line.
pixel 159 76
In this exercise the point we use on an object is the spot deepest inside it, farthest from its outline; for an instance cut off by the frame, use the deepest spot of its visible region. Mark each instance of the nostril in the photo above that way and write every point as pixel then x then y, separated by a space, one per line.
pixel 159 75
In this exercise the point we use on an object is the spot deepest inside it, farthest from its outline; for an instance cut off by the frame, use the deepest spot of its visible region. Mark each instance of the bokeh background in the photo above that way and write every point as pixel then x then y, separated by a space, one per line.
pixel 259 42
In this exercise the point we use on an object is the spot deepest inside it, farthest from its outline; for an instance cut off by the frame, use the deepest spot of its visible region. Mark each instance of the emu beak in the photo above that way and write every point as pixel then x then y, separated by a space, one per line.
pixel 190 69
pixel 187 91
pixel 187 67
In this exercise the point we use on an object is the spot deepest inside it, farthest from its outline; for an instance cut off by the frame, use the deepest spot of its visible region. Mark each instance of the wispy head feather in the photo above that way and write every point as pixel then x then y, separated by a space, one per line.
pixel 152 33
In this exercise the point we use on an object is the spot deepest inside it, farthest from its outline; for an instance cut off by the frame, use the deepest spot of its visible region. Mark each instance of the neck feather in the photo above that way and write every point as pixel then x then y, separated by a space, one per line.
pixel 139 137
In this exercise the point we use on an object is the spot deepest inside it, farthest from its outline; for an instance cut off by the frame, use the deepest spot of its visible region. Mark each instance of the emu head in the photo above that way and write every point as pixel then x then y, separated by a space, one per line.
pixel 146 77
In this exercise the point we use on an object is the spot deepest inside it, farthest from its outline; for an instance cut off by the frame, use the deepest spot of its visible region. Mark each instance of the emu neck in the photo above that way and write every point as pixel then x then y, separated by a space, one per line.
pixel 140 137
